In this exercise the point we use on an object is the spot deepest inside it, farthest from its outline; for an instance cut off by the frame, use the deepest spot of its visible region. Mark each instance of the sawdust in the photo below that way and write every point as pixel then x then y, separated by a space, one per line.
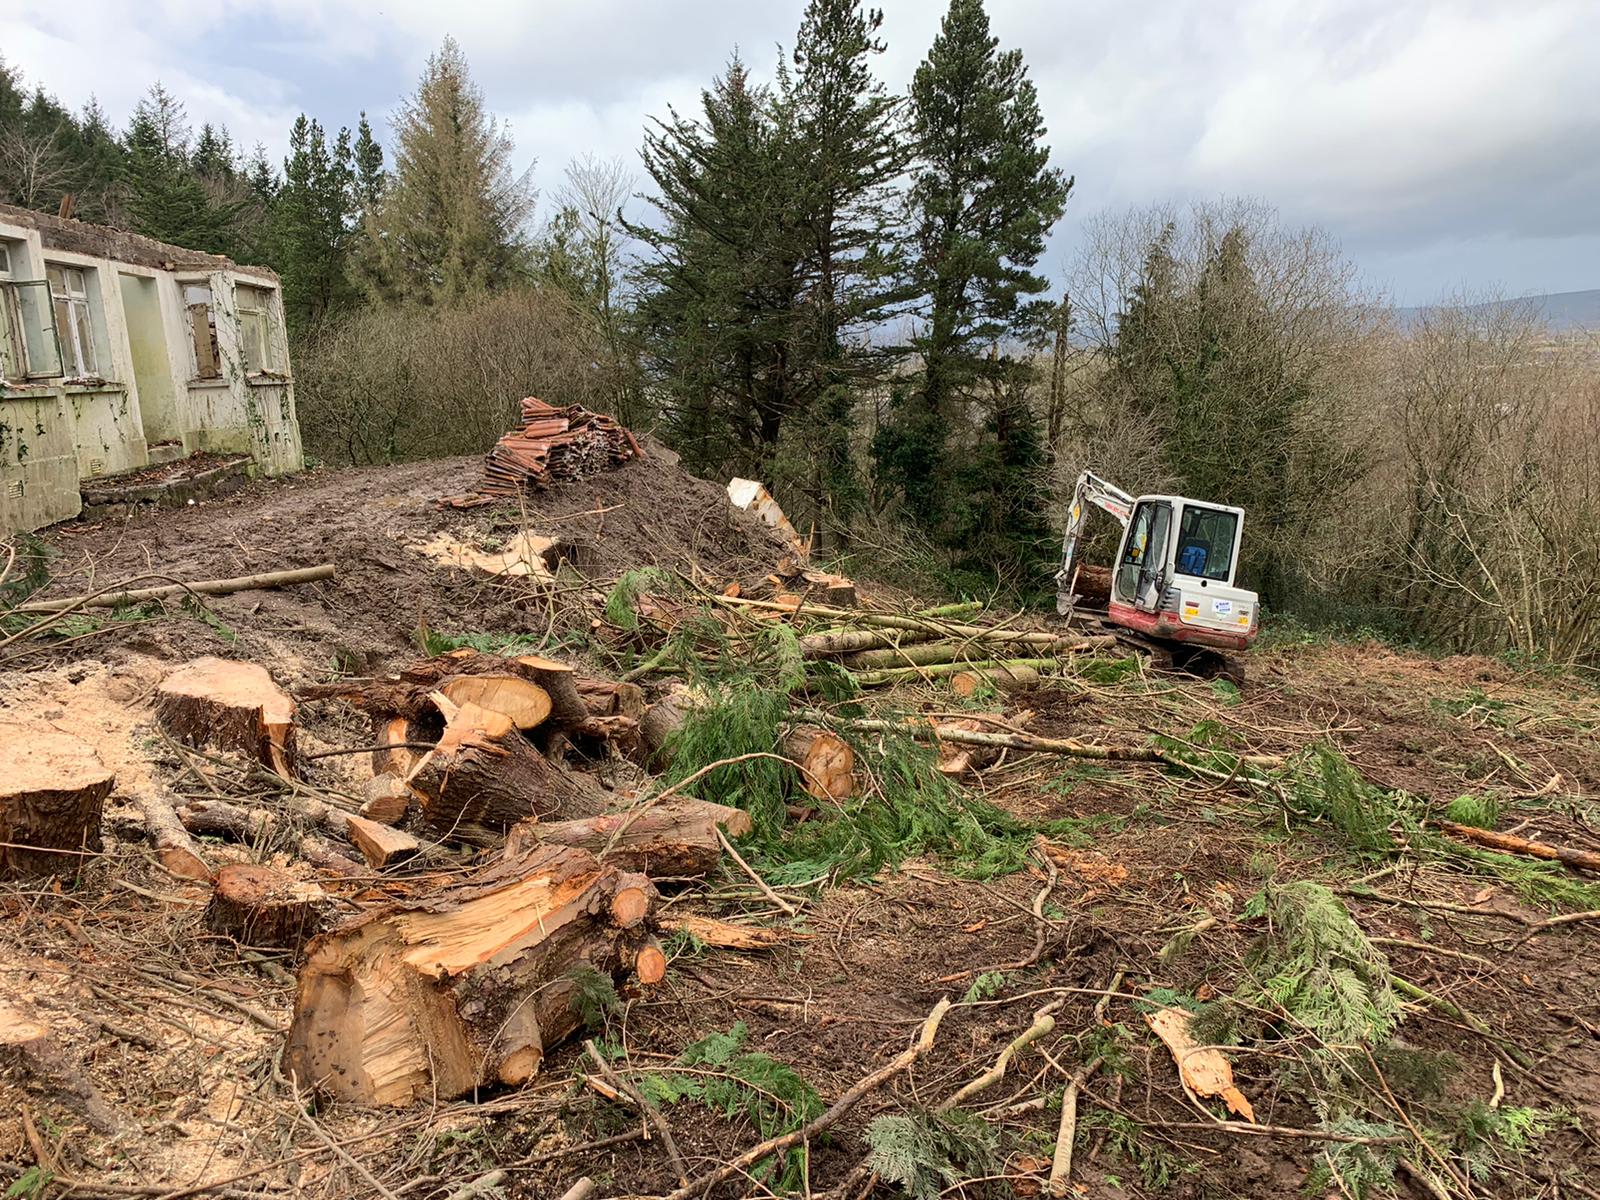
pixel 526 555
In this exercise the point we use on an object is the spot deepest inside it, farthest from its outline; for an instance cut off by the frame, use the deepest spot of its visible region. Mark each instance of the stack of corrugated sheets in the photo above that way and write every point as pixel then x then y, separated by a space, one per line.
pixel 554 445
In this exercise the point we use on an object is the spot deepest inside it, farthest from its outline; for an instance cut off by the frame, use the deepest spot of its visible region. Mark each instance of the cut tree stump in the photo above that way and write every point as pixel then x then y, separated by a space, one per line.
pixel 53 789
pixel 28 1047
pixel 174 847
pixel 484 775
pixel 430 998
pixel 677 837
pixel 231 705
pixel 260 906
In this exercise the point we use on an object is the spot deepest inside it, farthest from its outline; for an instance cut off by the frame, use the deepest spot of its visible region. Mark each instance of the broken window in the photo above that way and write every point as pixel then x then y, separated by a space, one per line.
pixel 69 292
pixel 203 330
pixel 28 345
pixel 255 329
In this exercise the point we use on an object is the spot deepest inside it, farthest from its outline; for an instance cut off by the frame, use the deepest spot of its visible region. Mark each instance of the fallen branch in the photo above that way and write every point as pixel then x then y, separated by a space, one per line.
pixel 1035 744
pixel 851 1097
pixel 651 1112
pixel 940 670
pixel 1551 922
pixel 204 587
pixel 1586 860
pixel 751 872
pixel 1043 1023
pixel 1067 1131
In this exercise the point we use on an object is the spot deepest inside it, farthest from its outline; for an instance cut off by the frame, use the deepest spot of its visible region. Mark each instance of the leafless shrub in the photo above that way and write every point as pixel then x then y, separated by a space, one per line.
pixel 389 384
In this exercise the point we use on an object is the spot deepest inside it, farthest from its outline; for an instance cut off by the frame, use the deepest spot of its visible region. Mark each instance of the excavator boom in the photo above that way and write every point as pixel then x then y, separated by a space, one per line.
pixel 1103 494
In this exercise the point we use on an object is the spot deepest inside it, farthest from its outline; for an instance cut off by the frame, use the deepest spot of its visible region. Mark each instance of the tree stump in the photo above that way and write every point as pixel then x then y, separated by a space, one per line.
pixel 28 1047
pixel 433 997
pixel 525 702
pixel 484 774
pixel 259 906
pixel 52 792
pixel 231 705
pixel 677 837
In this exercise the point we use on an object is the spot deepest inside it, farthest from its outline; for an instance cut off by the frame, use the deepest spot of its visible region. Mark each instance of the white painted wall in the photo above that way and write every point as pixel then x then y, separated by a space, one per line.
pixel 56 433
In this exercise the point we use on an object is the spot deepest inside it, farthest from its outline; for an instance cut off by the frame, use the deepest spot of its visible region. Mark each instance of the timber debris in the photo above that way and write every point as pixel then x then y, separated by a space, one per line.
pixel 555 445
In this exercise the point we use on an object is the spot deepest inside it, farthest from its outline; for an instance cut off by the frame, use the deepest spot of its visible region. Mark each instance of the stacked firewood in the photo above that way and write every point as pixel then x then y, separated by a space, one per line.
pixel 552 444
pixel 449 981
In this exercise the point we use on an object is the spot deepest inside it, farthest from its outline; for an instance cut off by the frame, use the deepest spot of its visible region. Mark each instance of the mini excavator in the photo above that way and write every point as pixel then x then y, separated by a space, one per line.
pixel 1170 590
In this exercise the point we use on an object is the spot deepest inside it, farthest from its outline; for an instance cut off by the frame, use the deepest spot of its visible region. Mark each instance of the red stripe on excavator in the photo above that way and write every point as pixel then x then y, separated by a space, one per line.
pixel 1158 625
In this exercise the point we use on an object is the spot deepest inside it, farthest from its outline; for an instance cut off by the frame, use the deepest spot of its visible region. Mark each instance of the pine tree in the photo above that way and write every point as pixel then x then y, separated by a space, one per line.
pixel 165 198
pixel 451 221
pixel 722 282
pixel 850 138
pixel 985 199
pixel 313 222
pixel 100 166
pixel 369 173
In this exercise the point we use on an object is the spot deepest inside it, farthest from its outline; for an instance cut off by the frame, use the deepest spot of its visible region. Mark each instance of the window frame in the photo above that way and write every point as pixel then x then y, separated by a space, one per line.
pixel 1187 530
pixel 23 361
pixel 198 374
pixel 259 312
pixel 79 310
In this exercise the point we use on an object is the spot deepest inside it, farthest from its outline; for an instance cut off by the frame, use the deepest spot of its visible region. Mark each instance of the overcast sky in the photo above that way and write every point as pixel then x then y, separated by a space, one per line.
pixel 1446 143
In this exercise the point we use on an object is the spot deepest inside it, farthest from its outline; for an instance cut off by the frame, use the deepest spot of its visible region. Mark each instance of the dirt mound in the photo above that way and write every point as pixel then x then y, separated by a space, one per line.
pixel 367 520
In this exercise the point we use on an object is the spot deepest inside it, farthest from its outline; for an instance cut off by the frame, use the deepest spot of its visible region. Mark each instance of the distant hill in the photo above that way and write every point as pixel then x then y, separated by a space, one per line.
pixel 1564 312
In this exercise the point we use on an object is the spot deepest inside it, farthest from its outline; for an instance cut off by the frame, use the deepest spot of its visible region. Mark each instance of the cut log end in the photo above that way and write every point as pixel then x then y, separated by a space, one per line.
pixel 630 906
pixel 651 964
pixel 526 704
pixel 259 906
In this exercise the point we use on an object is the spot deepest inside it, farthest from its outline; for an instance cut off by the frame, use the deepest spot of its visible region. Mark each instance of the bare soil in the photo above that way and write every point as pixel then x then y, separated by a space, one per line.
pixel 180 1031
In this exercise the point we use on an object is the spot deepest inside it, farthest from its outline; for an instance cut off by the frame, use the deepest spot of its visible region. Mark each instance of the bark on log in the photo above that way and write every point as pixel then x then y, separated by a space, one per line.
pixel 28 1047
pixel 484 775
pixel 942 670
pixel 262 907
pixel 660 721
pixel 434 997
pixel 1586 860
pixel 832 643
pixel 174 847
pixel 603 698
pixel 560 682
pixel 677 837
pixel 1007 679
pixel 52 793
pixel 218 818
pixel 203 587
pixel 231 705
pixel 925 653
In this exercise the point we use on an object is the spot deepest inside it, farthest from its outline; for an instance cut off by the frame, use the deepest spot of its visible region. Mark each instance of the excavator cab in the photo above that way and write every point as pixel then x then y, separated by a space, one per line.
pixel 1172 580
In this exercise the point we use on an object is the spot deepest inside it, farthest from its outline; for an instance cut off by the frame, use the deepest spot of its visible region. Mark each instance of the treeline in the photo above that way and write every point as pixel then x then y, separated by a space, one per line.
pixel 836 288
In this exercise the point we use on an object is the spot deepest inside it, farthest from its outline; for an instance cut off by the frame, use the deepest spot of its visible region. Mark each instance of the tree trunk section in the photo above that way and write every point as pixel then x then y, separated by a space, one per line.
pixel 677 837
pixel 259 906
pixel 827 762
pixel 967 684
pixel 53 789
pixel 28 1048
pixel 437 996
pixel 174 847
pixel 484 775
pixel 231 705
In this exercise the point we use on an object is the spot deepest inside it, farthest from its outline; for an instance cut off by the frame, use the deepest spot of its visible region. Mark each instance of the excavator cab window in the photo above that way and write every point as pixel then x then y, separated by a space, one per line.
pixel 1144 550
pixel 1205 543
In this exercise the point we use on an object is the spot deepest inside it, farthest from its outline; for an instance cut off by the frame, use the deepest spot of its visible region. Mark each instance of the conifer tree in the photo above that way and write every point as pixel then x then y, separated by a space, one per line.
pixel 165 198
pixel 369 174
pixel 984 199
pixel 451 220
pixel 849 135
pixel 723 277
pixel 313 223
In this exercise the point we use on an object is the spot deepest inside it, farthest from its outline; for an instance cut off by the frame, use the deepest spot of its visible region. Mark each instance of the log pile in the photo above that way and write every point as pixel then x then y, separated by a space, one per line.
pixel 881 648
pixel 552 444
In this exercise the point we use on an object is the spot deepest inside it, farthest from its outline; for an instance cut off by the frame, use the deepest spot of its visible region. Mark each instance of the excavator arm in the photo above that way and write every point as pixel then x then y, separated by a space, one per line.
pixel 1103 494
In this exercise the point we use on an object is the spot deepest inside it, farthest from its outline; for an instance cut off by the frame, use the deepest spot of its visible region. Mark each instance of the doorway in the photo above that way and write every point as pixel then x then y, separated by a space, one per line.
pixel 152 367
